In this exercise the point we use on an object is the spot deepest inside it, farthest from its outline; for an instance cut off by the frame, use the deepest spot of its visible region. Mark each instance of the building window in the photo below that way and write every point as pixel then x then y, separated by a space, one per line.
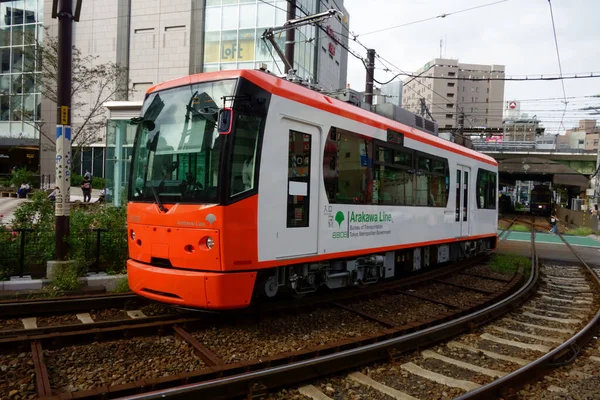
pixel 488 90
pixel 449 116
pixel 450 84
pixel 450 94
pixel 487 100
pixel 451 73
pixel 449 105
pixel 448 126
pixel 486 189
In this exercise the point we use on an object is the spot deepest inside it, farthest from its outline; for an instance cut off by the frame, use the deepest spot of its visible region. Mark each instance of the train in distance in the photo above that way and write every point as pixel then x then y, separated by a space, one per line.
pixel 245 185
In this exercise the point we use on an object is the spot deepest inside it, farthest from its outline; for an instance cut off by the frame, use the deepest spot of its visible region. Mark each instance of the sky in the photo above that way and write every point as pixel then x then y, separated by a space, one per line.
pixel 515 33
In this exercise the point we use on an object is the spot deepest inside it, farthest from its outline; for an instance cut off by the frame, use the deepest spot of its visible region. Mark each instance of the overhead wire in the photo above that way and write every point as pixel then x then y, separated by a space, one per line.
pixel 444 15
pixel 558 54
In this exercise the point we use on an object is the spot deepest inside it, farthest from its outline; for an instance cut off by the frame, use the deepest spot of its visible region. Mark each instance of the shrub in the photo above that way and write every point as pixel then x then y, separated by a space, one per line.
pixel 20 176
pixel 580 231
pixel 122 286
pixel 97 182
pixel 66 277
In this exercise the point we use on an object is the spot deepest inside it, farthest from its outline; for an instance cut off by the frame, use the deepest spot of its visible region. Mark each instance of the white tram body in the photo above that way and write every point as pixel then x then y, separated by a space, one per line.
pixel 329 195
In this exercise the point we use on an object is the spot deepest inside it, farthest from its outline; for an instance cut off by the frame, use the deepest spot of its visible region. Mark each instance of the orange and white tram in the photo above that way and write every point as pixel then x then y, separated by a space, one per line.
pixel 243 183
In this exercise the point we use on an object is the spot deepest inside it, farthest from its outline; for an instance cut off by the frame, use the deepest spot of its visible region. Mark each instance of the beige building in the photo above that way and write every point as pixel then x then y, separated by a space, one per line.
pixel 584 137
pixel 447 90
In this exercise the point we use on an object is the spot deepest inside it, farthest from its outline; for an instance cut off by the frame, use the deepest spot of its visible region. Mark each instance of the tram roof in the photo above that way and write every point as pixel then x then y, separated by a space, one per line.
pixel 301 94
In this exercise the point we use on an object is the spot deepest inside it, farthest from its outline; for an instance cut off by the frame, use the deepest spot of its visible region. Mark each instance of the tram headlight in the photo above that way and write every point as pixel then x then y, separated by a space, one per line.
pixel 132 235
pixel 210 242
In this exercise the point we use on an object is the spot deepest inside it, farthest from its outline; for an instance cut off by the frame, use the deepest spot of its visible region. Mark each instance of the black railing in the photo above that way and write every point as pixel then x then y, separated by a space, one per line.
pixel 26 251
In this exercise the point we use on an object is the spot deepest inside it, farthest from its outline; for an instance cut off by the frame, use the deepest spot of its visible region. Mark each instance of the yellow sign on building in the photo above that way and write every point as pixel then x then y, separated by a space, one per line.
pixel 229 51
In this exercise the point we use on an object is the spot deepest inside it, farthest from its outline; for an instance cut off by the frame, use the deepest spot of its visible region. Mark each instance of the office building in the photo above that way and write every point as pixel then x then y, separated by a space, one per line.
pixel 448 90
pixel 158 40
pixel 20 99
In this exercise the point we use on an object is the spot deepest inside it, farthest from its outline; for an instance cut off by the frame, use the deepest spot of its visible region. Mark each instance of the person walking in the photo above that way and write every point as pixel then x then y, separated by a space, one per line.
pixel 86 188
pixel 554 223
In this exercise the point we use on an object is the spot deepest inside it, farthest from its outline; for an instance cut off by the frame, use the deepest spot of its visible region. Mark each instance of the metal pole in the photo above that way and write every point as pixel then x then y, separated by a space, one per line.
pixel 370 76
pixel 63 127
pixel 290 34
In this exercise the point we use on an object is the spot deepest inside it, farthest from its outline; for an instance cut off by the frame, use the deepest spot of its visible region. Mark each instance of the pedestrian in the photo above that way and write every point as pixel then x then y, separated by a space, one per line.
pixel 52 196
pixel 554 223
pixel 87 175
pixel 23 190
pixel 86 188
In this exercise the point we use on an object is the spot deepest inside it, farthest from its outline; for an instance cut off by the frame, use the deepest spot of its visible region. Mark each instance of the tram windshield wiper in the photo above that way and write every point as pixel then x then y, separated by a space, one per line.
pixel 157 198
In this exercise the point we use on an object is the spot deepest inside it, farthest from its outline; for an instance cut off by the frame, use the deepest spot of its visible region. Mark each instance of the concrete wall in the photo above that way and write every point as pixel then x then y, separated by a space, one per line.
pixel 578 218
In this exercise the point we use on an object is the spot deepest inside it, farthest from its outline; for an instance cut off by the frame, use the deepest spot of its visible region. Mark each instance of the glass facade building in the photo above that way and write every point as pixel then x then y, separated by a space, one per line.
pixel 20 100
pixel 233 31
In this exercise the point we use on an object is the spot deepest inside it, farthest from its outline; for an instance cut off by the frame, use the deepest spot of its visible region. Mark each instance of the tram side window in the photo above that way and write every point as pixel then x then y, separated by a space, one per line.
pixel 432 182
pixel 393 177
pixel 347 167
pixel 486 189
pixel 298 180
pixel 245 146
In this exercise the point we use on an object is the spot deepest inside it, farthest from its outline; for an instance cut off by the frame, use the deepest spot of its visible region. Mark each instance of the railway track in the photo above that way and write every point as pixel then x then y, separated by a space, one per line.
pixel 101 313
pixel 496 361
pixel 293 335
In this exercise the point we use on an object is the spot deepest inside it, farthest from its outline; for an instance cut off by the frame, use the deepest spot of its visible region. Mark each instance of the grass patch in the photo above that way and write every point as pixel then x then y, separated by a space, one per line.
pixel 580 231
pixel 519 228
pixel 122 286
pixel 509 263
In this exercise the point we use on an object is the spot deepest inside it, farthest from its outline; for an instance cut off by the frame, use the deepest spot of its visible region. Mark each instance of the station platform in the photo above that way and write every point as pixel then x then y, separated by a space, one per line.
pixel 551 239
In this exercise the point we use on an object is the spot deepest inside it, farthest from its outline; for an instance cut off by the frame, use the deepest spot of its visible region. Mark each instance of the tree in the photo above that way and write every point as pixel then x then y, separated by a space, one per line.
pixel 94 83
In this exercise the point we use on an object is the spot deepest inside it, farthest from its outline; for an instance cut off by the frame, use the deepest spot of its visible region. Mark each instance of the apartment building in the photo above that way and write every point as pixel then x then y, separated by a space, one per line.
pixel 450 88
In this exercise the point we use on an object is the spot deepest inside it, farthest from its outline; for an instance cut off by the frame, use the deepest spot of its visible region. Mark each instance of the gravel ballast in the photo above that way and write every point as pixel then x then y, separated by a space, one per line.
pixel 83 367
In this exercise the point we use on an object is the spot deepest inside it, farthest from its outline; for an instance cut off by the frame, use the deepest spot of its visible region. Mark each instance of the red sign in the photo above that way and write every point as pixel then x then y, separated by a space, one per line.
pixel 332 46
pixel 512 105
pixel 332 49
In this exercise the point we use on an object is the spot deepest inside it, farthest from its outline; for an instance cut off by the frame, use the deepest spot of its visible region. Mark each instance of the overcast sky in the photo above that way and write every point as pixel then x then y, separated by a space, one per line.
pixel 515 33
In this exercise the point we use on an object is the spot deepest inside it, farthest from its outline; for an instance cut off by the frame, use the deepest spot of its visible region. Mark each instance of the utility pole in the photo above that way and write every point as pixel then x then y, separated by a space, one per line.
pixel 370 76
pixel 290 34
pixel 63 10
pixel 290 25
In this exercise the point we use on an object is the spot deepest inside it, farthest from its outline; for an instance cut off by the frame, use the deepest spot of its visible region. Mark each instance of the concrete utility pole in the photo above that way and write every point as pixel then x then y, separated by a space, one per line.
pixel 63 10
pixel 290 34
pixel 370 76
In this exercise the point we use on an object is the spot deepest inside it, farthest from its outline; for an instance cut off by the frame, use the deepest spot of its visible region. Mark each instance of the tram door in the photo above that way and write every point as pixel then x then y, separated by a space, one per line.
pixel 463 196
pixel 300 233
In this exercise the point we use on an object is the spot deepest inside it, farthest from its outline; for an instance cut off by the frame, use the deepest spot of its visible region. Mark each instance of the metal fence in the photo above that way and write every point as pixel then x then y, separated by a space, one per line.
pixel 26 251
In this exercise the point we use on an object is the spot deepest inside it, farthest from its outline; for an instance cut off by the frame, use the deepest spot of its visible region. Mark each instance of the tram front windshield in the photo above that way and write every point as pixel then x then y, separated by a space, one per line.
pixel 177 149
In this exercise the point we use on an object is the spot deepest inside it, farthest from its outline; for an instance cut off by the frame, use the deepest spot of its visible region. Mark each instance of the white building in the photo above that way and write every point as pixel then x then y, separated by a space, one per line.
pixel 158 40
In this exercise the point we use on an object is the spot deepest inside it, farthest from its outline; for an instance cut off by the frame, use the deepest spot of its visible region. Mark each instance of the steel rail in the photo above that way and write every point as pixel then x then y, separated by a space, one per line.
pixel 510 383
pixel 505 230
pixel 293 373
pixel 19 336
pixel 26 308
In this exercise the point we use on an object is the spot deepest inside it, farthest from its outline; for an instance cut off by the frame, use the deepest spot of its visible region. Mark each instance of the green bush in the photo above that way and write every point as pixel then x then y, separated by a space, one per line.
pixel 97 182
pixel 20 176
pixel 580 231
pixel 113 237
pixel 122 286
pixel 66 277
pixel 38 220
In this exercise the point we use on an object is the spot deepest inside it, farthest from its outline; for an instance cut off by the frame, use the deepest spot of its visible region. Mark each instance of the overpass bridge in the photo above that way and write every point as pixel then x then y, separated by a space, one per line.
pixel 582 161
